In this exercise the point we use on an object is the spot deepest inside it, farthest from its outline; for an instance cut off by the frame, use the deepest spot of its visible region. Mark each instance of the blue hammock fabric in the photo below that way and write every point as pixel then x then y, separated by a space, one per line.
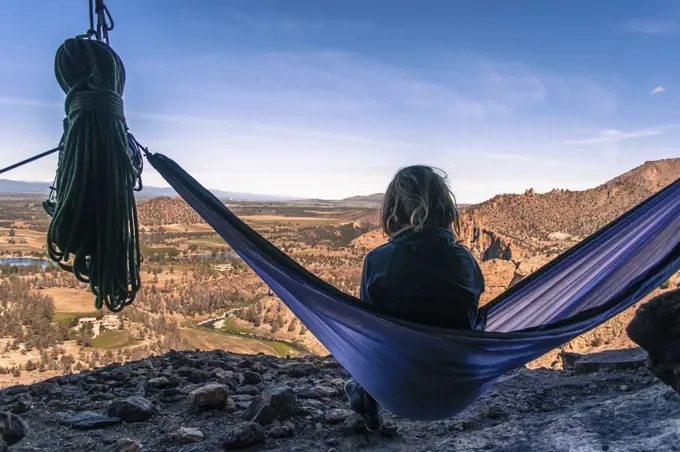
pixel 426 373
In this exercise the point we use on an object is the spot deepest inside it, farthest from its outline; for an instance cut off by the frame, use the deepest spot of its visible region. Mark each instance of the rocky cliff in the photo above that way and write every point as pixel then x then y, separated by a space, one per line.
pixel 532 223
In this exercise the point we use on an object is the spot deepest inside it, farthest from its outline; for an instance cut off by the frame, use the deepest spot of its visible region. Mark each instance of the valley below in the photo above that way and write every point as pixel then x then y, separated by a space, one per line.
pixel 198 294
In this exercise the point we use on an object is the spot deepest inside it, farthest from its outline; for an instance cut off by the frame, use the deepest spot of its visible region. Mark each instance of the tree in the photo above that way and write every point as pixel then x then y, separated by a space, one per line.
pixel 250 314
pixel 277 323
pixel 292 325
pixel 12 232
pixel 66 362
pixel 84 338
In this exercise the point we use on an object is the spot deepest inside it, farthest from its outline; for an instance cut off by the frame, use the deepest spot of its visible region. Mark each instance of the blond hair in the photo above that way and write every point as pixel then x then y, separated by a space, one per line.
pixel 417 197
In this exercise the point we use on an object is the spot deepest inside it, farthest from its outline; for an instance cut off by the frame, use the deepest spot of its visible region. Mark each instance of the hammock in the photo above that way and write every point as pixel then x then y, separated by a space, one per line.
pixel 426 373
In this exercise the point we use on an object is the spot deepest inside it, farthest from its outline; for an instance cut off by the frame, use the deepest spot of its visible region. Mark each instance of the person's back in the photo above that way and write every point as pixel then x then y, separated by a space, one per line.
pixel 424 277
pixel 422 274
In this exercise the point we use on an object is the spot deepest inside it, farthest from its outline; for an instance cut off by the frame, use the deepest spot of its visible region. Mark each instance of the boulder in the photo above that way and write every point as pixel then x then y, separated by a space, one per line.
pixel 213 396
pixel 250 378
pixel 22 403
pixel 12 428
pixel 284 430
pixel 607 361
pixel 159 383
pixel 244 435
pixel 127 445
pixel 132 409
pixel 278 403
pixel 297 370
pixel 188 435
pixel 656 328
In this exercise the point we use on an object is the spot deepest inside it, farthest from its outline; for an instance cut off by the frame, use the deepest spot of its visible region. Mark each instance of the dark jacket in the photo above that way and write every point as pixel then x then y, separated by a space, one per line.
pixel 424 277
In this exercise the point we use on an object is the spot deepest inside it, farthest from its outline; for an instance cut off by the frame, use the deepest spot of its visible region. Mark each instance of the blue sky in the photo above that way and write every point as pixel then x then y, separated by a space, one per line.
pixel 329 98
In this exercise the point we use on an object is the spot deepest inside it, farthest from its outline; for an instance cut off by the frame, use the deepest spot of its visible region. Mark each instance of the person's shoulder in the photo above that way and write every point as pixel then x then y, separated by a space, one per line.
pixel 464 258
pixel 380 250
pixel 459 248
pixel 460 251
pixel 380 254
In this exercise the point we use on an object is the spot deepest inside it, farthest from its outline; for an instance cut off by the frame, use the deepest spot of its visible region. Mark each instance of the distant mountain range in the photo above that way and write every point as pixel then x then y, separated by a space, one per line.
pixel 18 187
pixel 375 197
pixel 13 187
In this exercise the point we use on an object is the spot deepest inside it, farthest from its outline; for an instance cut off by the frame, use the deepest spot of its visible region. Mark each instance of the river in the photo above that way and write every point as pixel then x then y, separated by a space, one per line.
pixel 23 261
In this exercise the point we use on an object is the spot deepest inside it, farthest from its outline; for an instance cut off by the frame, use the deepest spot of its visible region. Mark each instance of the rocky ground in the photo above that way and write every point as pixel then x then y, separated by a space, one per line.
pixel 208 401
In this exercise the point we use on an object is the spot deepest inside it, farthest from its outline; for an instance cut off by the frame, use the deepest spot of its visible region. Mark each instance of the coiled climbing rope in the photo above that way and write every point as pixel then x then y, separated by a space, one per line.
pixel 94 230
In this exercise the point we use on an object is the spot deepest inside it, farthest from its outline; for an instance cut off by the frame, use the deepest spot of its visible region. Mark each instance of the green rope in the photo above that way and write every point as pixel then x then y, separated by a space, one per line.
pixel 94 230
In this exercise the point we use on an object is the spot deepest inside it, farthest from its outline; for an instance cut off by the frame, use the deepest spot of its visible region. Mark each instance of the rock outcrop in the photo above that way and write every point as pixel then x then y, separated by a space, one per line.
pixel 611 403
pixel 485 243
pixel 531 220
pixel 656 328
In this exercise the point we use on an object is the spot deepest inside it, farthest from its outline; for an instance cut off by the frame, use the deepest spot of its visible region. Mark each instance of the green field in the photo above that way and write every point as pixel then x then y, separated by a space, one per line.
pixel 281 348
pixel 71 318
pixel 231 327
pixel 112 339
pixel 159 250
pixel 216 240
pixel 208 242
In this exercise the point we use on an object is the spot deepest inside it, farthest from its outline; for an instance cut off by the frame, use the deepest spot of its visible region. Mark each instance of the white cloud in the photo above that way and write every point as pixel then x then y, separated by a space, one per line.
pixel 28 102
pixel 657 90
pixel 615 135
pixel 338 86
pixel 251 128
pixel 519 85
pixel 652 26
pixel 283 114
pixel 518 88
pixel 320 85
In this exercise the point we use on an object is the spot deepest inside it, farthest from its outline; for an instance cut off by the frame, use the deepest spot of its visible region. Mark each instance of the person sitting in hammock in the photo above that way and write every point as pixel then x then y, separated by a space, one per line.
pixel 421 274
